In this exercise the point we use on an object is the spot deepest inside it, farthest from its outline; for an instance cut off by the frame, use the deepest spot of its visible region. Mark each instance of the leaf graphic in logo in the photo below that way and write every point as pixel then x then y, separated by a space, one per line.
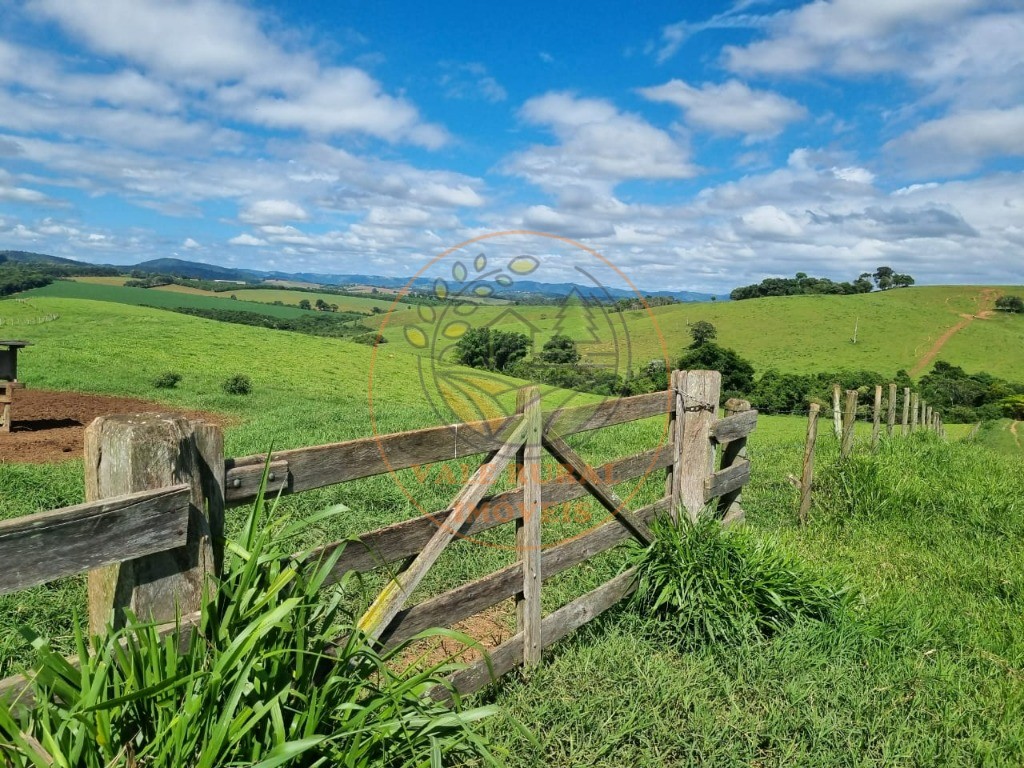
pixel 455 329
pixel 483 290
pixel 480 263
pixel 503 280
pixel 441 289
pixel 416 337
pixel 426 313
pixel 523 265
pixel 459 272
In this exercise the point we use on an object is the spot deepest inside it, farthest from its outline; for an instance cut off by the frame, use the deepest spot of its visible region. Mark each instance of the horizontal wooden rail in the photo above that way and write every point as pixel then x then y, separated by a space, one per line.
pixel 554 627
pixel 725 480
pixel 303 469
pixel 449 608
pixel 734 427
pixel 401 540
pixel 63 542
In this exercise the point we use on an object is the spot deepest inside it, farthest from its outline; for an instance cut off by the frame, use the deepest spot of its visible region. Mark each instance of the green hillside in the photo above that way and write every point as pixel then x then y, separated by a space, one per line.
pixel 796 334
pixel 292 298
pixel 74 289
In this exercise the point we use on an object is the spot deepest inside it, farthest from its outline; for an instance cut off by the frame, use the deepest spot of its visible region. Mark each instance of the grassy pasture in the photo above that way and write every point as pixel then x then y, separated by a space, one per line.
pixel 102 280
pixel 73 289
pixel 291 298
pixel 796 334
pixel 929 670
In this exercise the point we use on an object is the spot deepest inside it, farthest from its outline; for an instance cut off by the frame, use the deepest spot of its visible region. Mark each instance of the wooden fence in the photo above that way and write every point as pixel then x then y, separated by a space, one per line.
pixel 157 487
pixel 917 416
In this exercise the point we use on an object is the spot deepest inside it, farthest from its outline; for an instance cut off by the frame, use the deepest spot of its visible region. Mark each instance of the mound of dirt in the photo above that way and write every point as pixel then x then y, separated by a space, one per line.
pixel 50 426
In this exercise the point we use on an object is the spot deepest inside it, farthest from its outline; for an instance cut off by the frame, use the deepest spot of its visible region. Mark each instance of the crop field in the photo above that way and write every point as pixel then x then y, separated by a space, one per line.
pixel 795 334
pixel 73 289
pixel 928 668
pixel 102 280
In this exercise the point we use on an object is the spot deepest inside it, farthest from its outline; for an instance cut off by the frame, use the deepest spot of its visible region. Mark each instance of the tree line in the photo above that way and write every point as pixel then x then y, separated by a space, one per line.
pixel 883 278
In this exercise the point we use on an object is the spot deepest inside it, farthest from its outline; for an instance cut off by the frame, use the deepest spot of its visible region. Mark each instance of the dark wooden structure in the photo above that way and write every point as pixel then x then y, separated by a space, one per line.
pixel 8 379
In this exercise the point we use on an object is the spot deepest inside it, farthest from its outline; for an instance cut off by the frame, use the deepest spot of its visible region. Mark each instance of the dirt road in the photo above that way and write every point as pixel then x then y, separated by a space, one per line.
pixel 986 302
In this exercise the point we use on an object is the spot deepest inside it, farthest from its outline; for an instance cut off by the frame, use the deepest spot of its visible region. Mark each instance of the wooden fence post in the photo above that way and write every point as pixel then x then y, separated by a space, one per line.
pixel 849 422
pixel 906 410
pixel 528 528
pixel 697 395
pixel 128 453
pixel 876 418
pixel 890 423
pixel 837 416
pixel 922 406
pixel 729 505
pixel 913 411
pixel 807 477
pixel 928 419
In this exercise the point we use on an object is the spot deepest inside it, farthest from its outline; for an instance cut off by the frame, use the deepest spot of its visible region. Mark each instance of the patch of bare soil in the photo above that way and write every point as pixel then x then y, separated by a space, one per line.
pixel 50 426
pixel 490 629
pixel 986 300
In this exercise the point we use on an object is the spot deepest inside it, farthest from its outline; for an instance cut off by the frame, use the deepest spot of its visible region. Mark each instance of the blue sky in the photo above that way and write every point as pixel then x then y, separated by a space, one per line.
pixel 696 146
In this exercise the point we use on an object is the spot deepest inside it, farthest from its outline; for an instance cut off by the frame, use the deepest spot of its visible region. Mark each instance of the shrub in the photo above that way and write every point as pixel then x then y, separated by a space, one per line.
pixel 167 380
pixel 373 338
pixel 239 384
pixel 276 674
pixel 706 584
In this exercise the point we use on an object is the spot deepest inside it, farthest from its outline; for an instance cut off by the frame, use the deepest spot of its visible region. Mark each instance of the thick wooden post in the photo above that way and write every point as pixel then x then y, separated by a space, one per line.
pixel 697 394
pixel 129 453
pixel 922 407
pixel 906 410
pixel 876 418
pixel 528 527
pixel 928 419
pixel 730 505
pixel 913 411
pixel 837 415
pixel 849 422
pixel 890 423
pixel 807 477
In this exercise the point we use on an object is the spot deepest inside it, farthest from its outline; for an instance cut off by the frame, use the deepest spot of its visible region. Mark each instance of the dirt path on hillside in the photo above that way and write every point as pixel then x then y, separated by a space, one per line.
pixel 1013 431
pixel 50 426
pixel 986 302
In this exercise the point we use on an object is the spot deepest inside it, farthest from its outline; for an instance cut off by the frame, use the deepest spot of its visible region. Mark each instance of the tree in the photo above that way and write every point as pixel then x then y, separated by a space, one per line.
pixel 490 349
pixel 902 281
pixel 703 333
pixel 1010 304
pixel 883 278
pixel 863 283
pixel 304 304
pixel 737 373
pixel 560 350
pixel 322 305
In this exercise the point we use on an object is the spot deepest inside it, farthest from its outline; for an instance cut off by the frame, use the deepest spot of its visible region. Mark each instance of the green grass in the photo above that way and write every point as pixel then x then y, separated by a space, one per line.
pixel 795 334
pixel 927 670
pixel 998 436
pixel 74 289
pixel 292 298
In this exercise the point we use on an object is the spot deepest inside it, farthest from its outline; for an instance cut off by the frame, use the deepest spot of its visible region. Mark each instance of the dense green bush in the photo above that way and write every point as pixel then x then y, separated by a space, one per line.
pixel 491 349
pixel 239 384
pixel 373 337
pixel 276 674
pixel 167 380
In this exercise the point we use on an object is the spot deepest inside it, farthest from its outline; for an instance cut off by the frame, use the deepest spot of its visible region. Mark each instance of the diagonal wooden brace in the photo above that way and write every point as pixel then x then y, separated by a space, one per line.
pixel 587 477
pixel 391 599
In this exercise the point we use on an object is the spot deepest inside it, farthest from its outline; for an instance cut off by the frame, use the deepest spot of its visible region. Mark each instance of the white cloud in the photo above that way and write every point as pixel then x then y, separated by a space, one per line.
pixel 246 239
pixel 273 212
pixel 729 108
pixel 846 36
pixel 221 50
pixel 960 142
pixel 599 146
pixel 190 244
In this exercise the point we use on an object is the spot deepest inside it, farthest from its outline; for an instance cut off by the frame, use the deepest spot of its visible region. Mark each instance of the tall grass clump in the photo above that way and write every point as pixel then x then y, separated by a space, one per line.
pixel 706 584
pixel 265 681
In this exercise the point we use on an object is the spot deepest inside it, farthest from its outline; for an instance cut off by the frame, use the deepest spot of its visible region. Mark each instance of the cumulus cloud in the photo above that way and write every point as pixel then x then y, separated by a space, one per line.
pixel 246 239
pixel 470 81
pixel 962 141
pixel 273 212
pixel 598 146
pixel 246 73
pixel 729 108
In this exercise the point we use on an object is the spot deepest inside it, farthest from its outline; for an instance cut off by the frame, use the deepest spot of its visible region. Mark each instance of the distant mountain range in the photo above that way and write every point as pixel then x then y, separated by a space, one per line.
pixel 200 271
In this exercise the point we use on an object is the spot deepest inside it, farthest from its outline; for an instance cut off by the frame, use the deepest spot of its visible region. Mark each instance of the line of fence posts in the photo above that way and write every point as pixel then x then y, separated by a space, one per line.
pixel 917 415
